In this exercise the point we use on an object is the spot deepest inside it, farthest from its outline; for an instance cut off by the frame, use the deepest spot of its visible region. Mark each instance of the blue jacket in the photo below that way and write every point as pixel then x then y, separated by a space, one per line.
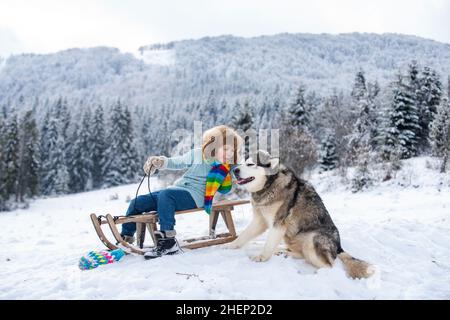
pixel 194 179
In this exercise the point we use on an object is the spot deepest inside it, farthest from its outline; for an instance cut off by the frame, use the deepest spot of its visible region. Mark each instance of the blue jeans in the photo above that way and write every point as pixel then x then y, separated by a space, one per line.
pixel 165 203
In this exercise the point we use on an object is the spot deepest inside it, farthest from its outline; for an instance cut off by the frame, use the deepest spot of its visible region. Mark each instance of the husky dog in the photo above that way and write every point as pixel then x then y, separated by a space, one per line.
pixel 292 210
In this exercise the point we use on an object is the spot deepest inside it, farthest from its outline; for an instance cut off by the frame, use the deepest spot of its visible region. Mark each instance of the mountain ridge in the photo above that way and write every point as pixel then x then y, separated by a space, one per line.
pixel 233 67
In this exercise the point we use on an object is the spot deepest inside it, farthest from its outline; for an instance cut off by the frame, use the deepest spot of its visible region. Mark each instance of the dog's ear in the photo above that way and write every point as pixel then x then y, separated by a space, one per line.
pixel 274 166
pixel 263 158
pixel 274 163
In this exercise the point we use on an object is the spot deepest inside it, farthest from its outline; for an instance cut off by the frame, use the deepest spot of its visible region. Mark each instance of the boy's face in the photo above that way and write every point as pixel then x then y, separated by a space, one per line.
pixel 225 153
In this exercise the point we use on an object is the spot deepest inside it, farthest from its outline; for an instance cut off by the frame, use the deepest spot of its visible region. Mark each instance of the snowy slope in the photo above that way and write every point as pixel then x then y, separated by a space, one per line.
pixel 404 230
pixel 231 66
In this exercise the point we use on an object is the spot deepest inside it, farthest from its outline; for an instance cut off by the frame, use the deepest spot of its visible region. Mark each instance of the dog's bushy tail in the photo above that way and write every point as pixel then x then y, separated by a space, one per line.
pixel 356 268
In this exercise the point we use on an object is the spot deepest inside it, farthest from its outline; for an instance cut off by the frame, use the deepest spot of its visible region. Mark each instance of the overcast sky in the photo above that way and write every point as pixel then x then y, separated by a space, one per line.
pixel 51 25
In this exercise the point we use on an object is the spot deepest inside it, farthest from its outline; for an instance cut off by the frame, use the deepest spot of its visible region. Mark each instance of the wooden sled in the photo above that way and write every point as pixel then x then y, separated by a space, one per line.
pixel 147 221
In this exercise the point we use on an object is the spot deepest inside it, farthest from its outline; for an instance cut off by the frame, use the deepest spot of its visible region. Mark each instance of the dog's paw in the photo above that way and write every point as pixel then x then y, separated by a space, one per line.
pixel 260 258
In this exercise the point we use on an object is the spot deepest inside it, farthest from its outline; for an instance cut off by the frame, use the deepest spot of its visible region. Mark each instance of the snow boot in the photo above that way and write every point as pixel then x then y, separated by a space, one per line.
pixel 166 244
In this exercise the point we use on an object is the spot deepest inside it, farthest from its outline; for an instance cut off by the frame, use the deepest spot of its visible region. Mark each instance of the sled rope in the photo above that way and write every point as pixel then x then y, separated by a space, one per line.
pixel 153 198
pixel 149 189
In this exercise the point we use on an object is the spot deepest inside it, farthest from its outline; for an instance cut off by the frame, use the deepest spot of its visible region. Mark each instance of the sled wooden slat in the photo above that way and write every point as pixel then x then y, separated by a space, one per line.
pixel 147 221
pixel 208 243
pixel 119 238
pixel 220 235
pixel 147 216
pixel 142 218
pixel 100 234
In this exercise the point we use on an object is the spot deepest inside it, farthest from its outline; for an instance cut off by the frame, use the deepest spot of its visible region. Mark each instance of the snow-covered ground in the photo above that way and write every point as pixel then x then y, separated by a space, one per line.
pixel 403 230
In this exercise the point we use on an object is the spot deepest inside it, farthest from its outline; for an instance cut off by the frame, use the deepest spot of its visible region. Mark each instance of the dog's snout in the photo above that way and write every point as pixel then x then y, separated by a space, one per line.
pixel 236 170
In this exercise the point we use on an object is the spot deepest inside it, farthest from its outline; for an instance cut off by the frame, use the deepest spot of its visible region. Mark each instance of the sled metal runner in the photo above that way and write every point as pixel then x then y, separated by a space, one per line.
pixel 147 223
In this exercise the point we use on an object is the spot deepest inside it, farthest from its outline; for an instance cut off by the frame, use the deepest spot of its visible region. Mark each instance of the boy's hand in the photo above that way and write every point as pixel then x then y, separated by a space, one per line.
pixel 153 163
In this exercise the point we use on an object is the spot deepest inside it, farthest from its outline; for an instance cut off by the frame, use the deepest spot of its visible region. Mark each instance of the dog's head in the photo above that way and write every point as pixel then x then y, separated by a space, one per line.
pixel 255 172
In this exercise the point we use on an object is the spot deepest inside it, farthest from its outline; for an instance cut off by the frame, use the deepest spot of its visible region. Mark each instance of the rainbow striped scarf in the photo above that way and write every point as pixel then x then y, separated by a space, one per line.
pixel 218 179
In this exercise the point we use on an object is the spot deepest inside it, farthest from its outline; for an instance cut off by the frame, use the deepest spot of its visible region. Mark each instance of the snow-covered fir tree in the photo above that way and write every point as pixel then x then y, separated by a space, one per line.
pixel 60 184
pixel 328 158
pixel 333 115
pixel 362 177
pixel 113 169
pixel 3 194
pixel 428 98
pixel 448 87
pixel 211 110
pixel 401 123
pixel 223 105
pixel 440 132
pixel 45 137
pixel 131 159
pixel 361 137
pixel 262 114
pixel 11 155
pixel 160 132
pixel 361 131
pixel 29 157
pixel 373 92
pixel 243 116
pixel 359 90
pixel 98 146
pixel 121 160
pixel 298 111
pixel 243 120
pixel 275 112
pixel 413 78
pixel 54 172
pixel 297 146
pixel 80 161
pixel 63 114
